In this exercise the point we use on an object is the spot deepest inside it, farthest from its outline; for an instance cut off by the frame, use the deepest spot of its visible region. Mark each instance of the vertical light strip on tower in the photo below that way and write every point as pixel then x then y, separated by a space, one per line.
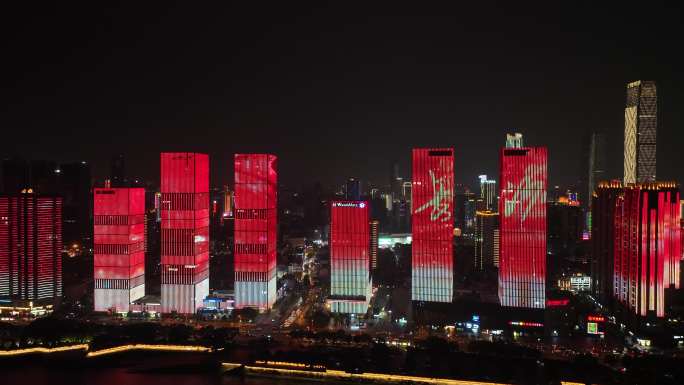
pixel 350 287
pixel 256 224
pixel 522 209
pixel 119 252
pixel 185 231
pixel 432 225
pixel 374 238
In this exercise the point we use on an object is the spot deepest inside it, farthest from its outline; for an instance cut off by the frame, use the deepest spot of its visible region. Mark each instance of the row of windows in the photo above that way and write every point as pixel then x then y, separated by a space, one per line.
pixel 184 201
pixel 252 213
pixel 118 220
pixel 250 248
pixel 122 284
pixel 183 274
pixel 183 241
pixel 253 276
pixel 116 249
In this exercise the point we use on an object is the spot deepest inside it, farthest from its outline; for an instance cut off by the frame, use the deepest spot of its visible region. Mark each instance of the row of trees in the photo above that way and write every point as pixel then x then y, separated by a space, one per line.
pixel 53 331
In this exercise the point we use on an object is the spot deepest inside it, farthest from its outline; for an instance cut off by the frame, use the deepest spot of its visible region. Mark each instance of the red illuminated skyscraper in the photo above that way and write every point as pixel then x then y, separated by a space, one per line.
pixel 185 231
pixel 647 246
pixel 432 225
pixel 119 235
pixel 30 247
pixel 350 287
pixel 255 213
pixel 522 216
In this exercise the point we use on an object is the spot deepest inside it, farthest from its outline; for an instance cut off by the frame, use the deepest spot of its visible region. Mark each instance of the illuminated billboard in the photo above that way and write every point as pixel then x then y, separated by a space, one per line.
pixel 522 208
pixel 596 324
pixel 432 225
pixel 256 225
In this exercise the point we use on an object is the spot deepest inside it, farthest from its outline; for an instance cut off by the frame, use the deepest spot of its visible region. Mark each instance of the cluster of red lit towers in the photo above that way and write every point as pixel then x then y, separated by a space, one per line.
pixel 184 205
pixel 636 235
pixel 522 268
pixel 119 236
pixel 522 207
pixel 637 241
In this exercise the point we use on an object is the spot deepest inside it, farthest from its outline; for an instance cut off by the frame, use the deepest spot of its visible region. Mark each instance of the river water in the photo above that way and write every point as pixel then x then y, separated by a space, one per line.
pixel 124 369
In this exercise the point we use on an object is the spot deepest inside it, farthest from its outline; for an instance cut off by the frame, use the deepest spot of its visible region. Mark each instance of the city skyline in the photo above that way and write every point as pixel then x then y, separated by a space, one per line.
pixel 433 193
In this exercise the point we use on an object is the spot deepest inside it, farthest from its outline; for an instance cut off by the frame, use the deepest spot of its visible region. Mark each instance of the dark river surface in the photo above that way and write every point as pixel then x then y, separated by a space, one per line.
pixel 135 368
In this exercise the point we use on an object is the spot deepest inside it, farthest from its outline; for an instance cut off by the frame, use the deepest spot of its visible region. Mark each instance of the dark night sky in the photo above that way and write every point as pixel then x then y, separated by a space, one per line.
pixel 333 91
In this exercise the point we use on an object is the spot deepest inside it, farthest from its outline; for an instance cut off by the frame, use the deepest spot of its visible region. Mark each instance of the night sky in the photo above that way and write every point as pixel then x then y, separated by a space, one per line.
pixel 334 91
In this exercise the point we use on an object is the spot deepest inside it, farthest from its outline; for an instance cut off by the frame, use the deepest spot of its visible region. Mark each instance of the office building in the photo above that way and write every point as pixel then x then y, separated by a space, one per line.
pixel 352 190
pixel 119 248
pixel 406 191
pixel 565 225
pixel 74 186
pixel 522 209
pixel 470 207
pixel 488 192
pixel 432 225
pixel 514 140
pixel 647 247
pixel 228 203
pixel 603 239
pixel 117 173
pixel 69 180
pixel 350 287
pixel 30 247
pixel 594 163
pixel 185 231
pixel 256 226
pixel 641 123
pixel 486 242
pixel 461 196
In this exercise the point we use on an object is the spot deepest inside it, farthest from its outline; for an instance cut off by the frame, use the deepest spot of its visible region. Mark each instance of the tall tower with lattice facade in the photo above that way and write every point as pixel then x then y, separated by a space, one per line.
pixel 641 123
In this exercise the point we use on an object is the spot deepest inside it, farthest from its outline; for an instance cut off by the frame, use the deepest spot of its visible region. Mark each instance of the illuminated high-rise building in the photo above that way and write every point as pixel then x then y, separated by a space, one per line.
pixel 470 206
pixel 602 239
pixel 486 242
pixel 227 203
pixel 514 140
pixel 522 223
pixel 641 123
pixel 595 161
pixel 406 191
pixel 30 247
pixel 256 179
pixel 647 247
pixel 352 189
pixel 117 175
pixel 488 192
pixel 119 252
pixel 350 287
pixel 432 225
pixel 185 231
pixel 374 239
